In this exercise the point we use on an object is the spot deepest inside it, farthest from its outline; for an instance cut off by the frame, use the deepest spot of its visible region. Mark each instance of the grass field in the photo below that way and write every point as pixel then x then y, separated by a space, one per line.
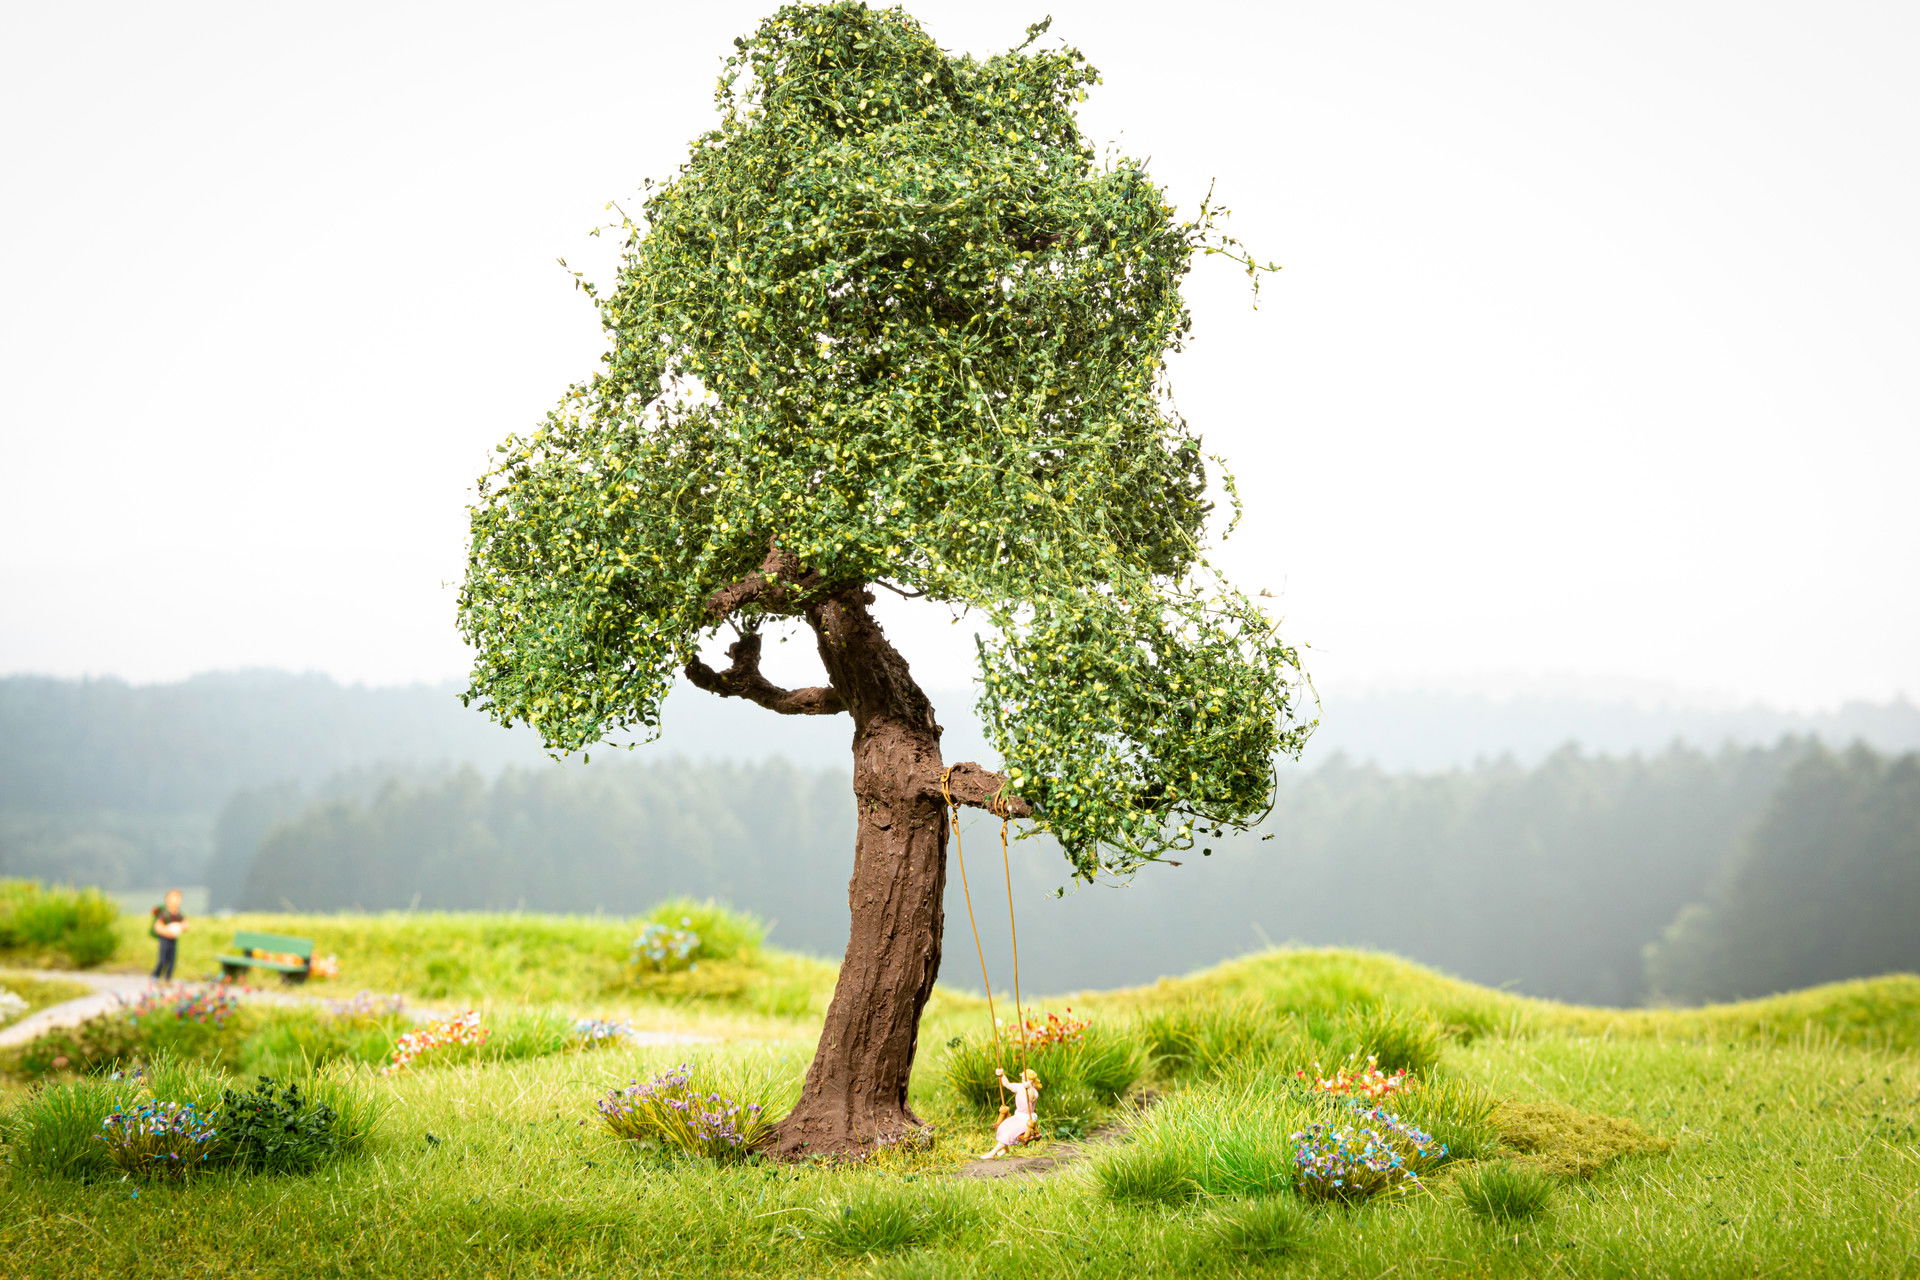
pixel 1777 1137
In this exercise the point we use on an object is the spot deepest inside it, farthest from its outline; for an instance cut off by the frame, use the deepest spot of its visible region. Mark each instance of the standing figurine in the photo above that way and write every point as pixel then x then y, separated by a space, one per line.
pixel 1023 1125
pixel 169 922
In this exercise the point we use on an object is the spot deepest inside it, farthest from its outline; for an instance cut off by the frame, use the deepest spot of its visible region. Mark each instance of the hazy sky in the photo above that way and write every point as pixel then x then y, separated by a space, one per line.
pixel 1594 361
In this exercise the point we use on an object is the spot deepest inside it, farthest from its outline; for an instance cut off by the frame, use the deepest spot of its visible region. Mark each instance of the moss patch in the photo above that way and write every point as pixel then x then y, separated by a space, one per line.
pixel 1567 1142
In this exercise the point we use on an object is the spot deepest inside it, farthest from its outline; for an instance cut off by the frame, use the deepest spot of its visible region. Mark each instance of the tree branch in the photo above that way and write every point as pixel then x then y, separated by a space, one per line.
pixel 779 585
pixel 743 680
pixel 984 789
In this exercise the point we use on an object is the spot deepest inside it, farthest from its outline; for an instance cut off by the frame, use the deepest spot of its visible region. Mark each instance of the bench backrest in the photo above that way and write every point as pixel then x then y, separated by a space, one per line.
pixel 302 947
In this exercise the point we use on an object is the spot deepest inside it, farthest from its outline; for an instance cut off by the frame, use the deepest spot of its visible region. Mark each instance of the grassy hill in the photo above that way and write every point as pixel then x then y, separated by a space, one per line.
pixel 1777 1136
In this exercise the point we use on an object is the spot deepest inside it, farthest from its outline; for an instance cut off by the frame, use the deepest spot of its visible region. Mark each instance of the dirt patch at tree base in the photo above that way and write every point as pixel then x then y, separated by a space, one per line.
pixel 1057 1153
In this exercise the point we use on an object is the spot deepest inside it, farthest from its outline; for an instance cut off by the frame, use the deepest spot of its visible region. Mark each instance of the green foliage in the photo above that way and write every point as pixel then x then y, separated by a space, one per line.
pixel 891 317
pixel 57 1129
pixel 1079 1079
pixel 277 1129
pixel 1261 1229
pixel 44 923
pixel 1505 1192
pixel 884 1220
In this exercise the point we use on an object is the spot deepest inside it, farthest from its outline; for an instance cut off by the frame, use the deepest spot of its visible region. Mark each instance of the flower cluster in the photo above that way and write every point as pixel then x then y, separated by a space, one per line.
pixel 11 1006
pixel 664 948
pixel 1055 1030
pixel 158 1139
pixel 669 1109
pixel 1376 1152
pixel 465 1029
pixel 595 1032
pixel 210 1005
pixel 365 1007
pixel 1366 1082
pixel 327 966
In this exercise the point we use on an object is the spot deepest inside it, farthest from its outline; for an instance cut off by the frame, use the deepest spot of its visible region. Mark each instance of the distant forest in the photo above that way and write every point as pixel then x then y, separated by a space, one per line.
pixel 1681 874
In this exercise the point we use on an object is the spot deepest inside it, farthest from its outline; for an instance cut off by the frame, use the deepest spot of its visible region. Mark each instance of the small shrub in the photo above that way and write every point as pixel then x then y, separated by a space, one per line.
pixel 889 1219
pixel 271 1129
pixel 435 1036
pixel 1081 1074
pixel 1374 1152
pixel 1506 1192
pixel 1267 1228
pixel 721 933
pixel 1143 1175
pixel 159 1139
pixel 662 948
pixel 668 1110
pixel 51 923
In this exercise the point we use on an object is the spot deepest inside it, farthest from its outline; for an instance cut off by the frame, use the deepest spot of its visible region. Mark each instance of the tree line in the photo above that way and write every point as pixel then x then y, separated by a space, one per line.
pixel 1685 875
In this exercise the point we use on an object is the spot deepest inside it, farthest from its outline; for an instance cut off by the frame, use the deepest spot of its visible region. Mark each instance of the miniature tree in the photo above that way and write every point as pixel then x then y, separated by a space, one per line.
pixel 892 326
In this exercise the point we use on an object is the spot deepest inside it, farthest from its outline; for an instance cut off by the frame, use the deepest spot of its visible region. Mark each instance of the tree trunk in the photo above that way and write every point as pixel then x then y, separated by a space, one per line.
pixel 856 1089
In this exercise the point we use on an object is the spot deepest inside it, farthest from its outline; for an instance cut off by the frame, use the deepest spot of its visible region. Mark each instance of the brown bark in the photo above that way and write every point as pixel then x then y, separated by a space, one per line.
pixel 856 1089
pixel 742 679
pixel 855 1094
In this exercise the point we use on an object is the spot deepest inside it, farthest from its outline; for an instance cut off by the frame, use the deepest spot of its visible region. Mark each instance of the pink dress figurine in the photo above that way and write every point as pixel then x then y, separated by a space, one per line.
pixel 1017 1127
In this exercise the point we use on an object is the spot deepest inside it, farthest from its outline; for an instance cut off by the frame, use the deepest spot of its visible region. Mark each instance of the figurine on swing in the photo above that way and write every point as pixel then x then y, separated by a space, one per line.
pixel 1022 1124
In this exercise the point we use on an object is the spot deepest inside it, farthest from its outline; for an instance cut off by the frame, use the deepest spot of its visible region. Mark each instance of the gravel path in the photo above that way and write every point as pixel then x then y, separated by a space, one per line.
pixel 110 989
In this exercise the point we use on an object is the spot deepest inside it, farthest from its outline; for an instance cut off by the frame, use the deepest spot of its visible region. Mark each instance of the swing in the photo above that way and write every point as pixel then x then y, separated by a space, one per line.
pixel 1029 1082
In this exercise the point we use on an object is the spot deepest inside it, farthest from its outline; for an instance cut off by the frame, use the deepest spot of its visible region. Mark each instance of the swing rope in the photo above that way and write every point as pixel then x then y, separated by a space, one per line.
pixel 1013 929
pixel 1013 934
pixel 960 855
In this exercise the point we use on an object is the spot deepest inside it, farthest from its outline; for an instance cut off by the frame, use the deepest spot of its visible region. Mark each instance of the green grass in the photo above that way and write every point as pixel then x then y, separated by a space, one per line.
pixel 1770 1138
pixel 1506 1192
pixel 56 926
pixel 41 993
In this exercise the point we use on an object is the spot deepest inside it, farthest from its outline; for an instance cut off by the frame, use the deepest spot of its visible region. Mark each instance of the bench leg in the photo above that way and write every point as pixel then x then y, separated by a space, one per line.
pixel 294 978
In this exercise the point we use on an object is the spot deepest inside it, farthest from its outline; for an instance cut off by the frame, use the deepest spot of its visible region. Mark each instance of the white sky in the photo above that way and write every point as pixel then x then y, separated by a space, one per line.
pixel 1593 362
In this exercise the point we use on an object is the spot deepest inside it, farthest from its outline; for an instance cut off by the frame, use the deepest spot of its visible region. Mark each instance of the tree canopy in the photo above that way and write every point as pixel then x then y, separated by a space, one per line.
pixel 893 322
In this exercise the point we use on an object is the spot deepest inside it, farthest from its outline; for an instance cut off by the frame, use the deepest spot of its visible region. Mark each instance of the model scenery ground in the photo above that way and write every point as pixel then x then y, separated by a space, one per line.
pixel 1776 1137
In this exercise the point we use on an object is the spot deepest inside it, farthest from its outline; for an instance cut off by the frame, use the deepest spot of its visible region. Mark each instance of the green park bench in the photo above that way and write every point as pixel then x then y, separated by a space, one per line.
pixel 268 951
